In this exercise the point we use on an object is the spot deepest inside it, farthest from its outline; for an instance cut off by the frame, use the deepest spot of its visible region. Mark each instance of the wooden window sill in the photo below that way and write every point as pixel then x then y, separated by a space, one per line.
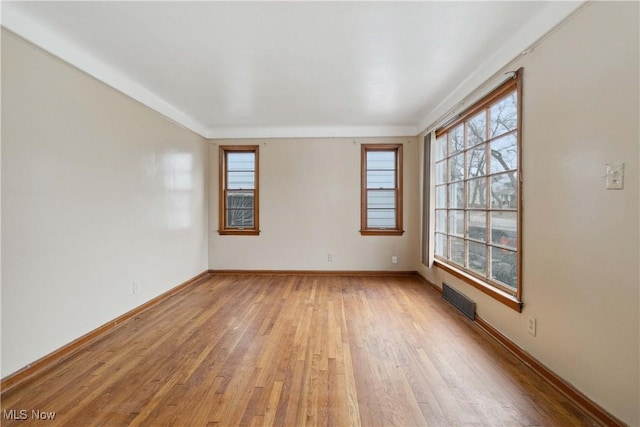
pixel 510 301
pixel 238 232
pixel 373 232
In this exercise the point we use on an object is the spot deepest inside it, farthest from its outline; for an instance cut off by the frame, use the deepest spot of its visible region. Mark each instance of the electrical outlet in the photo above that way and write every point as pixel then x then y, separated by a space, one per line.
pixel 329 256
pixel 531 326
pixel 394 259
pixel 136 287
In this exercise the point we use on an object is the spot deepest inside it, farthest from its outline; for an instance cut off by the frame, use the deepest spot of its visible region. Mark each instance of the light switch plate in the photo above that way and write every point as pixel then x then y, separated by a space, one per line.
pixel 615 177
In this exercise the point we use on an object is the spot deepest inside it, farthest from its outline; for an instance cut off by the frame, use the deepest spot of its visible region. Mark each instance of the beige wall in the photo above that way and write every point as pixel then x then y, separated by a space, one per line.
pixel 97 191
pixel 310 206
pixel 581 247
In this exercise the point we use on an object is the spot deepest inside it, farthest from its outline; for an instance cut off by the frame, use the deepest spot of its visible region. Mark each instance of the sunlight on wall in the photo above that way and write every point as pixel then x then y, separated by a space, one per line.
pixel 177 169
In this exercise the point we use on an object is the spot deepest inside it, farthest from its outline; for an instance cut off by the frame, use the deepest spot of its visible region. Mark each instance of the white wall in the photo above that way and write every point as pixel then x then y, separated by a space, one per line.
pixel 97 191
pixel 581 242
pixel 310 206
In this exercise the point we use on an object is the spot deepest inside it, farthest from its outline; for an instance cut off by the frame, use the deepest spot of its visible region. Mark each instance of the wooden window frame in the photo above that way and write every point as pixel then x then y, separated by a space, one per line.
pixel 222 190
pixel 365 230
pixel 510 297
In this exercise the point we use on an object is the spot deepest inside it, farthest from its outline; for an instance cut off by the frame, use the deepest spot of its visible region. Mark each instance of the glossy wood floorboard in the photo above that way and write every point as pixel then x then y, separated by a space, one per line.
pixel 293 351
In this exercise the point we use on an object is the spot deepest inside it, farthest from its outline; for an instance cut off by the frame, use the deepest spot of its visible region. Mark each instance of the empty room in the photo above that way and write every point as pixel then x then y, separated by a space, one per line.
pixel 320 213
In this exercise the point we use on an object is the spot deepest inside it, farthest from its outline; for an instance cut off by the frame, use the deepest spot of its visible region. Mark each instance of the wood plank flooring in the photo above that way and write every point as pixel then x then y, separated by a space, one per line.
pixel 292 351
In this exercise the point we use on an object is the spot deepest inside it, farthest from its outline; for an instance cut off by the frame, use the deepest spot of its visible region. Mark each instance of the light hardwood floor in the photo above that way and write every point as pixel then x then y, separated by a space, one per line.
pixel 293 351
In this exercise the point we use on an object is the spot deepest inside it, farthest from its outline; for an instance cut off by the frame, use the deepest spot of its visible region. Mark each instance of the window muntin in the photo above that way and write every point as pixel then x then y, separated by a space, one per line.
pixel 239 190
pixel 381 204
pixel 477 191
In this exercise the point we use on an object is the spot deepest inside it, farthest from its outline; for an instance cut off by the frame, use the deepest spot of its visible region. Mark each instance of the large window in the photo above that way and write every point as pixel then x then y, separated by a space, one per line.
pixel 381 204
pixel 477 192
pixel 239 190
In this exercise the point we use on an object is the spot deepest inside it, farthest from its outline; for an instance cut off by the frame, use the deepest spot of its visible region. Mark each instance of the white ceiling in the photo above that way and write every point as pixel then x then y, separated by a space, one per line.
pixel 269 69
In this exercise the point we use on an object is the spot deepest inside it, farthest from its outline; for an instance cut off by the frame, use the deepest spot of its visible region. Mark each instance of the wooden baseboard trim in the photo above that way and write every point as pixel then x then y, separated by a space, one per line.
pixel 31 370
pixel 362 273
pixel 569 391
pixel 429 282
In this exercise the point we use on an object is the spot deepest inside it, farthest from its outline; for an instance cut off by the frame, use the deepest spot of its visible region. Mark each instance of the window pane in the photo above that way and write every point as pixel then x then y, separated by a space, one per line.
pixel 504 229
pixel 503 266
pixel 477 129
pixel 239 210
pixel 441 245
pixel 381 218
pixel 381 209
pixel 240 180
pixel 456 167
pixel 456 223
pixel 441 220
pixel 477 225
pixel 381 179
pixel 504 153
pixel 456 198
pixel 441 147
pixel 504 115
pixel 441 172
pixel 240 200
pixel 240 218
pixel 477 257
pixel 457 250
pixel 240 161
pixel 476 161
pixel 456 143
pixel 441 196
pixel 476 197
pixel 503 191
pixel 377 199
pixel 381 160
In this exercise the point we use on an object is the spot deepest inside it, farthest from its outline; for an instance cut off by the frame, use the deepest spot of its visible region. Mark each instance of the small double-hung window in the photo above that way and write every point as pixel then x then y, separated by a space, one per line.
pixel 238 193
pixel 381 193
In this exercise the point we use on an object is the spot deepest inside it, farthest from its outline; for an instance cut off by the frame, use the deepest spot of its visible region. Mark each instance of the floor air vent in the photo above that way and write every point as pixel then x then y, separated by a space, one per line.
pixel 459 301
